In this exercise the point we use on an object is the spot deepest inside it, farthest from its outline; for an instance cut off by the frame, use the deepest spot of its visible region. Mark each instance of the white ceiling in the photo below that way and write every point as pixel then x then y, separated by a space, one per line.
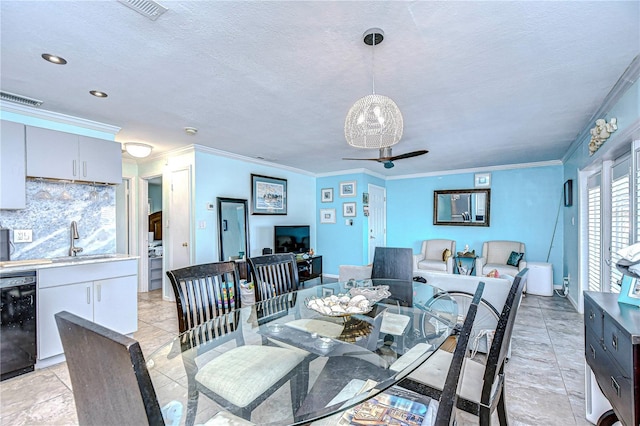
pixel 479 83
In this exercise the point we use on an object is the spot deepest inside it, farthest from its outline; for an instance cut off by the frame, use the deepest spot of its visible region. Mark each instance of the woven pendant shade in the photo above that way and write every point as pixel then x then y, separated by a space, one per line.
pixel 374 121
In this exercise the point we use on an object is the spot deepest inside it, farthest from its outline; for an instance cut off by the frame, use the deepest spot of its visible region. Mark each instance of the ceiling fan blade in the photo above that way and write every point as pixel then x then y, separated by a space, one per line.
pixel 408 155
pixel 366 159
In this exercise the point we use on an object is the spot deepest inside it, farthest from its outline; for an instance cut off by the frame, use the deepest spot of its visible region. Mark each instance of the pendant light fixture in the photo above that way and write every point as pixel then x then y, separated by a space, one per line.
pixel 374 121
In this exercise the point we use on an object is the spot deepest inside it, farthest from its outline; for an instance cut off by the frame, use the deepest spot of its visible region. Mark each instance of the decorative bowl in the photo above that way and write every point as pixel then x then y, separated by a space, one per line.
pixel 339 306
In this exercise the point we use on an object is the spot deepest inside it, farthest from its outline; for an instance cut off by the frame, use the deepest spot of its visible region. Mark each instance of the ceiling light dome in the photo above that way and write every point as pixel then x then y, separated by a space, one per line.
pixel 138 150
pixel 374 121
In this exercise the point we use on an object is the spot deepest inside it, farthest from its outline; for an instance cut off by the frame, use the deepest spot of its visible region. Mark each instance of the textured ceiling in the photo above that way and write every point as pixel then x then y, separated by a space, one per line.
pixel 479 83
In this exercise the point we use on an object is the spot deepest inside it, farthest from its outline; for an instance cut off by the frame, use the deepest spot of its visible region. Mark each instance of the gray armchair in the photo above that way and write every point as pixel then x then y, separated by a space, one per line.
pixel 495 255
pixel 431 256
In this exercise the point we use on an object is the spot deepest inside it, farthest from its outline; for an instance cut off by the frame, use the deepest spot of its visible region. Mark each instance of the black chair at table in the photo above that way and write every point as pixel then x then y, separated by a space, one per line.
pixel 393 262
pixel 207 300
pixel 110 380
pixel 482 390
pixel 449 396
pixel 274 275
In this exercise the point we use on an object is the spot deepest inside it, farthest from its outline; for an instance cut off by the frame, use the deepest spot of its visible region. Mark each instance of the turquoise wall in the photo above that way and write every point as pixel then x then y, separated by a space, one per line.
pixel 218 176
pixel 525 203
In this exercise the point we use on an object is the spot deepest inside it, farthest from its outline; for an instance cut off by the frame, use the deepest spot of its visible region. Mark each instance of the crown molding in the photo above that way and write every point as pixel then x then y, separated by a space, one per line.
pixel 57 117
pixel 480 169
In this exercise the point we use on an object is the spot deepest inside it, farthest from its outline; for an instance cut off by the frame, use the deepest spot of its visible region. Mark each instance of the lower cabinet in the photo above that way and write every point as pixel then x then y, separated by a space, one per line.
pixel 105 293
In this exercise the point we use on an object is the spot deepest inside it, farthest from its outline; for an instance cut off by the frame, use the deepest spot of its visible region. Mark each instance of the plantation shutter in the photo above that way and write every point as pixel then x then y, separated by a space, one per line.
pixel 620 216
pixel 594 232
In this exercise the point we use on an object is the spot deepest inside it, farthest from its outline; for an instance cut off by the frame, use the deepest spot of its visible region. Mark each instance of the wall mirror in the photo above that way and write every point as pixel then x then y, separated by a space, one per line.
pixel 233 228
pixel 461 207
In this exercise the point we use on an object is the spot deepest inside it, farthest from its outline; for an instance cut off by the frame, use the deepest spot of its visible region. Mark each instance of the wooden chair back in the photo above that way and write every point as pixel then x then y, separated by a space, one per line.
pixel 449 395
pixel 204 292
pixel 494 370
pixel 274 275
pixel 111 383
pixel 393 262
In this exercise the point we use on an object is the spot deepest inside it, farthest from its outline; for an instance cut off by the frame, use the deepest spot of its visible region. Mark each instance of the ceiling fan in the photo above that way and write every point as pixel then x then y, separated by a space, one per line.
pixel 387 158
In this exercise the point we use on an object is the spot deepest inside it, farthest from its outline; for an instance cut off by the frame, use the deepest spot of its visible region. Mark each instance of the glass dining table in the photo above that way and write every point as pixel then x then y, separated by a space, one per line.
pixel 344 351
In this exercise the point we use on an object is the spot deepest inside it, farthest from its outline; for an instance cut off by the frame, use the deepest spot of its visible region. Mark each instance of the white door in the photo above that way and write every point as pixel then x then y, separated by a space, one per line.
pixel 178 224
pixel 377 219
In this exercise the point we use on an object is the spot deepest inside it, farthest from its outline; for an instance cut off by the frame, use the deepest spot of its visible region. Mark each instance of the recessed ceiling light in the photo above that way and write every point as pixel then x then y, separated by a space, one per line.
pixel 98 94
pixel 59 60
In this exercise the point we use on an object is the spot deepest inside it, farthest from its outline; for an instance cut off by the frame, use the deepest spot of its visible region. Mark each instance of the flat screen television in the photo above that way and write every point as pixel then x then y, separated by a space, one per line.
pixel 291 239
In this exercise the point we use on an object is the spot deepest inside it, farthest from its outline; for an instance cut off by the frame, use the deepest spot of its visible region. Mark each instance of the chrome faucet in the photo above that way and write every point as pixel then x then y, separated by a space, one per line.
pixel 74 236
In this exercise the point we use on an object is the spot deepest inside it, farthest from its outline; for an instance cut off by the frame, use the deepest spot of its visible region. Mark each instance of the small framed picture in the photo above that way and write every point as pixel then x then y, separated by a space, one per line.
pixel 327 291
pixel 327 215
pixel 348 189
pixel 482 180
pixel 326 195
pixel 349 209
pixel 365 198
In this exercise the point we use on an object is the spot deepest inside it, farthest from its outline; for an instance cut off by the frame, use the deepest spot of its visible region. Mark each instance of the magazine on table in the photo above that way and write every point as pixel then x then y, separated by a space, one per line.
pixel 395 406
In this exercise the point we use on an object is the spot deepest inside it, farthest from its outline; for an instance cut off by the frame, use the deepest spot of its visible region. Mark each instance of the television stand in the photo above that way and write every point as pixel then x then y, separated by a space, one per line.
pixel 310 268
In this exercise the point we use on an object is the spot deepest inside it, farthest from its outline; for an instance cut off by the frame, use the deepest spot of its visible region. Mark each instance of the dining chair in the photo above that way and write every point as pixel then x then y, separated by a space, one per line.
pixel 274 274
pixel 208 302
pixel 393 262
pixel 110 381
pixel 449 396
pixel 482 387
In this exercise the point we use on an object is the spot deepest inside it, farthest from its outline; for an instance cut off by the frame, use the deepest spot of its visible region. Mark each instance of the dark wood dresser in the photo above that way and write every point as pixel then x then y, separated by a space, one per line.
pixel 612 350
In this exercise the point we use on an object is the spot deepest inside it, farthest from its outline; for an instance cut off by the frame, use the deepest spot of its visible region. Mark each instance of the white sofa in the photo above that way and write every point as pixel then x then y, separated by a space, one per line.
pixel 495 289
pixel 431 254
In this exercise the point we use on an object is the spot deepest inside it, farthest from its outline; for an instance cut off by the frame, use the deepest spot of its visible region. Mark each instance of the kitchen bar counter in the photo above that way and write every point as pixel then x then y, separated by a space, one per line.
pixel 37 264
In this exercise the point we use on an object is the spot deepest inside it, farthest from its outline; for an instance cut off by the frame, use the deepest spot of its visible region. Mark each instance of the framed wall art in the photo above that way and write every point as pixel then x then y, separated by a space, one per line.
pixel 326 195
pixel 327 215
pixel 349 209
pixel 482 180
pixel 268 195
pixel 348 189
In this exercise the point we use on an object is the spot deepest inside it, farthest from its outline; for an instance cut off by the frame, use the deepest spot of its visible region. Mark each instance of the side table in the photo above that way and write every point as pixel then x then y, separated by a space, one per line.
pixel 461 265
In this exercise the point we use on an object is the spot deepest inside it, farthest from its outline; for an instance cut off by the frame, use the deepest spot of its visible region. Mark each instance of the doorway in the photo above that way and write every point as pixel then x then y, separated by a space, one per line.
pixel 377 219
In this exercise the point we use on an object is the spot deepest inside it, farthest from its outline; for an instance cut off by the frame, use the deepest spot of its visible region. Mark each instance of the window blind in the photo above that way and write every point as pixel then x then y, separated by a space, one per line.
pixel 594 235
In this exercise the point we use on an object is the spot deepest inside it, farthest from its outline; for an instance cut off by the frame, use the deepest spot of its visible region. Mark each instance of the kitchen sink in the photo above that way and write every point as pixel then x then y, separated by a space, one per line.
pixel 82 257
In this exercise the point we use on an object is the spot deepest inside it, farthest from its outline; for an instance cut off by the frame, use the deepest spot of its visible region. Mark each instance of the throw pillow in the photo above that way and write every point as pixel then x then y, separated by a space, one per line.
pixel 514 258
pixel 446 254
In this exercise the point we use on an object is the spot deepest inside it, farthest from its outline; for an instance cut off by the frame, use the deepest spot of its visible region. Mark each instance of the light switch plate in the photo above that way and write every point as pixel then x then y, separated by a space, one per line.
pixel 22 235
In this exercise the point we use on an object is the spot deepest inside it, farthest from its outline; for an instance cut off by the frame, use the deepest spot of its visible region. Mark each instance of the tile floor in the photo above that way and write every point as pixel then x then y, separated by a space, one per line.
pixel 545 375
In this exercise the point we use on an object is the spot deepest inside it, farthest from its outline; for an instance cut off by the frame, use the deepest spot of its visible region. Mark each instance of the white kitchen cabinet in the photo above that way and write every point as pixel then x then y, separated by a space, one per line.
pixel 105 293
pixel 12 166
pixel 60 155
pixel 75 298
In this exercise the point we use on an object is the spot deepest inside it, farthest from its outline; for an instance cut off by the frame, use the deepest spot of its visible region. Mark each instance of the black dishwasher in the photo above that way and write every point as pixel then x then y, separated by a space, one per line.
pixel 18 328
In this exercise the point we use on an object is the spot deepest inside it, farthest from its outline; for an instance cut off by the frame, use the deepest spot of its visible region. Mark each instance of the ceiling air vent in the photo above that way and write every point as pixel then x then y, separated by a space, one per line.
pixel 19 99
pixel 150 9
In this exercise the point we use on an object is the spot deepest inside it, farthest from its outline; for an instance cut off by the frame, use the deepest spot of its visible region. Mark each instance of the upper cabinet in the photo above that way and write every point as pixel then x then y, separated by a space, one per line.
pixel 12 166
pixel 59 155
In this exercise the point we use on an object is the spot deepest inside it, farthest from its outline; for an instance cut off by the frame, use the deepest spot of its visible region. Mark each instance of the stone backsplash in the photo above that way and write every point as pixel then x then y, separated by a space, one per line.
pixel 93 207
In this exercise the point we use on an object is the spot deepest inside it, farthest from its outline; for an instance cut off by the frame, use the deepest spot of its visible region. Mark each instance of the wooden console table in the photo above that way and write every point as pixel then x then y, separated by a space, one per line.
pixel 612 351
pixel 310 268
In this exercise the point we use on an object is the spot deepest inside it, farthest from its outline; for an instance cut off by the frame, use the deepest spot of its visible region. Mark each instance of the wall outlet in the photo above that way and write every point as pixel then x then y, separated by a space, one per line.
pixel 22 235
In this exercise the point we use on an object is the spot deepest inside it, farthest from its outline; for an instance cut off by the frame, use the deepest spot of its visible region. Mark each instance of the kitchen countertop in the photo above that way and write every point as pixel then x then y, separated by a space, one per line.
pixel 35 264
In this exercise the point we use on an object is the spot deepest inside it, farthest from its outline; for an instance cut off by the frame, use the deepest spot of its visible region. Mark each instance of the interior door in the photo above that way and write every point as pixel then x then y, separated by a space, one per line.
pixel 178 224
pixel 377 219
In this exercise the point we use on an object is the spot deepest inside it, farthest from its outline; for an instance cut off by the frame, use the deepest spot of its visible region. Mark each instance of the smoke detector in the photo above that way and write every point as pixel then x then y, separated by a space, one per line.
pixel 191 131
